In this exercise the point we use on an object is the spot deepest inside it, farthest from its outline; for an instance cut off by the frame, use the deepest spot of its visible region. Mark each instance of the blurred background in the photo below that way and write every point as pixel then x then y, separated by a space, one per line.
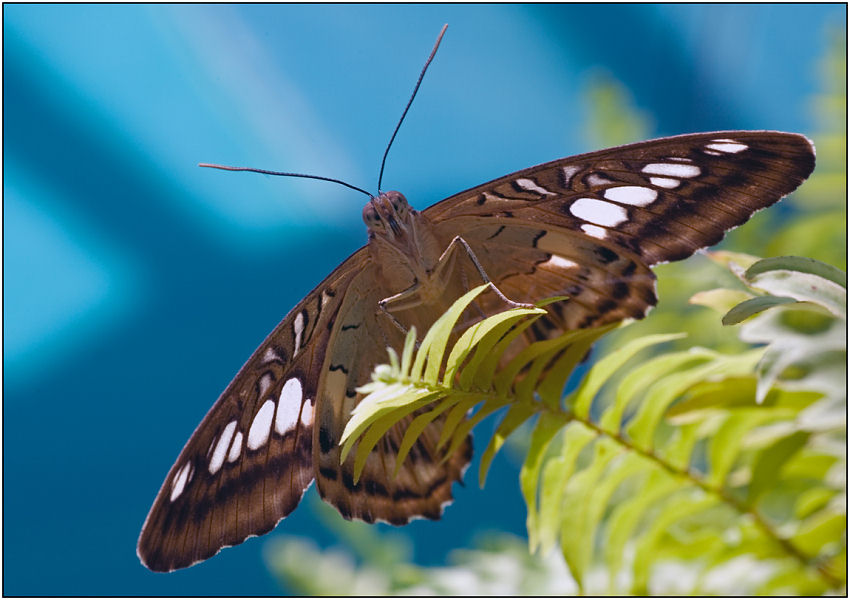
pixel 136 284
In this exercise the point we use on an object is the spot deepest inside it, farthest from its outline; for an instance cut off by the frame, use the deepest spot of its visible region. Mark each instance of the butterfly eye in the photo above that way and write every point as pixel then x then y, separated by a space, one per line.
pixel 399 203
pixel 371 218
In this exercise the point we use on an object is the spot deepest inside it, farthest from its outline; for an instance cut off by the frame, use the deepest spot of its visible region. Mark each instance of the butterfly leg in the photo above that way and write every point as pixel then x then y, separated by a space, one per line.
pixel 446 260
pixel 438 282
pixel 382 305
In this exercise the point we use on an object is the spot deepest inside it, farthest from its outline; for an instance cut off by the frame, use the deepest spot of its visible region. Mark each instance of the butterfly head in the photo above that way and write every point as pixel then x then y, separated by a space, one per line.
pixel 389 216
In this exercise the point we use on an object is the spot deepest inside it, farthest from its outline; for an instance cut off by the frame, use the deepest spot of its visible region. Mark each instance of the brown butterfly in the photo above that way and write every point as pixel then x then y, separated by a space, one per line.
pixel 586 227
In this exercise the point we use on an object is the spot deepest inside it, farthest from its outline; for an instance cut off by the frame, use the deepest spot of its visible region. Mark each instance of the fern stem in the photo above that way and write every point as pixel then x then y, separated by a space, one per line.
pixel 723 494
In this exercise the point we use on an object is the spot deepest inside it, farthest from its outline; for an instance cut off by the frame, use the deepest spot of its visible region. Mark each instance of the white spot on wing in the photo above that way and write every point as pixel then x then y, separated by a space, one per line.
pixel 288 406
pixel 597 179
pixel 235 448
pixel 713 152
pixel 599 212
pixel 531 186
pixel 672 170
pixel 730 146
pixel 560 262
pixel 307 414
pixel 261 426
pixel 664 182
pixel 270 355
pixel 594 231
pixel 265 384
pixel 634 195
pixel 298 330
pixel 221 448
pixel 569 172
pixel 180 481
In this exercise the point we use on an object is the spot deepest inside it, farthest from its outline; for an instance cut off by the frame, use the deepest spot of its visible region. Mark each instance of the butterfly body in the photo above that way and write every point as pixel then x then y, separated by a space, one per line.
pixel 585 228
pixel 402 243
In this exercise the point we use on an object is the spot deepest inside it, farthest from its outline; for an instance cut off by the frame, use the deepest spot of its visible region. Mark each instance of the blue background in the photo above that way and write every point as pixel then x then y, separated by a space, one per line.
pixel 136 284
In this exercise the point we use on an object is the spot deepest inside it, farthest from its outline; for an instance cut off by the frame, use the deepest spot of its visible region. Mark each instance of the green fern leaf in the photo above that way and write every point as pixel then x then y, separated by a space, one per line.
pixel 577 529
pixel 547 426
pixel 556 473
pixel 670 459
pixel 605 368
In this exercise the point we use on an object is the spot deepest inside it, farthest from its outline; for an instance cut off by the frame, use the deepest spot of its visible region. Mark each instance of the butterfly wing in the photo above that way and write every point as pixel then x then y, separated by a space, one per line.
pixel 423 484
pixel 278 425
pixel 588 226
pixel 249 462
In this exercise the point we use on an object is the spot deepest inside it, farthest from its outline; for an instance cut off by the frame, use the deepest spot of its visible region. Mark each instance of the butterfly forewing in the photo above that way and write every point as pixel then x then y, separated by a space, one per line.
pixel 589 225
pixel 250 460
pixel 661 200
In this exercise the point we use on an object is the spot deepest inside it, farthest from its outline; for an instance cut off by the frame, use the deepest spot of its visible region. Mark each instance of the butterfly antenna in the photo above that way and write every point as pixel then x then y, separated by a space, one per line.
pixel 280 174
pixel 409 102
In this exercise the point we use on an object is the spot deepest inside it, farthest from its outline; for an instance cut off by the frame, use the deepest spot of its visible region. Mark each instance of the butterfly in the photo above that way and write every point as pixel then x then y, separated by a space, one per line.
pixel 586 227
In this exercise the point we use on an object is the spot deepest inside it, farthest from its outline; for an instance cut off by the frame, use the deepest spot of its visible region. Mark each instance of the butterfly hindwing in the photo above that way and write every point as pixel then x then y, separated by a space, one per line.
pixel 423 484
pixel 278 424
pixel 250 460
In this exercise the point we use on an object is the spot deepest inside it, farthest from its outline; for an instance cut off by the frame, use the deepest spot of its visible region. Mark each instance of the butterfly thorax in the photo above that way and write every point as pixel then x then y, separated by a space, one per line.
pixel 401 241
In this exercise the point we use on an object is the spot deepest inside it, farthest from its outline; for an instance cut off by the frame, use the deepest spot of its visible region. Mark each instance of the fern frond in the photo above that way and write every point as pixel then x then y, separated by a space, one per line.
pixel 427 378
pixel 798 307
pixel 654 461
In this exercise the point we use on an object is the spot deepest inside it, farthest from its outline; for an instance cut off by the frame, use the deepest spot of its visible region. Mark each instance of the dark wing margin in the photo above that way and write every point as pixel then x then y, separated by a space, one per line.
pixel 249 462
